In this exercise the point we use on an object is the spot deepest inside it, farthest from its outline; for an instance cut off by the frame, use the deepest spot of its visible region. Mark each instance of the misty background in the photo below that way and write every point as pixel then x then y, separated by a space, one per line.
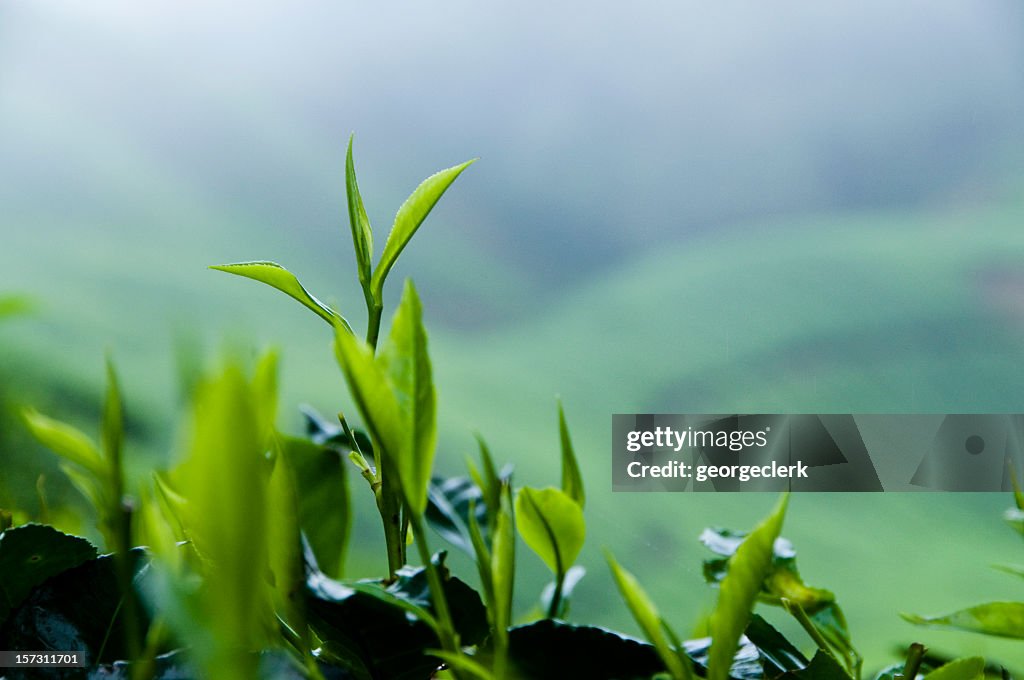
pixel 679 207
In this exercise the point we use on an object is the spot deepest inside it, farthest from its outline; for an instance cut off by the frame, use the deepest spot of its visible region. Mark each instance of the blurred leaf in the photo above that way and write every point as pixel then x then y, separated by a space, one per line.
pixel 13 305
pixel 225 479
pixel 490 482
pixel 362 234
pixel 573 576
pixel 409 218
pixel 1015 569
pixel 327 433
pixel 1015 518
pixel 76 609
pixel 553 650
pixel 66 441
pixel 31 554
pixel 748 568
pixel 323 499
pixel 113 423
pixel 551 523
pixel 278 277
pixel 647 617
pixel 405 360
pixel 1003 619
pixel 969 668
pixel 502 576
pixel 572 480
pixel 374 396
pixel 284 543
pixel 448 509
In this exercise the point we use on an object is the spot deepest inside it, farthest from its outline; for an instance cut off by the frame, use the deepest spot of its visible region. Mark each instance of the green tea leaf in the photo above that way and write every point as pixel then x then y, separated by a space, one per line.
pixel 1002 619
pixel 276 276
pixel 553 650
pixel 969 668
pixel 66 441
pixel 31 554
pixel 284 542
pixel 374 396
pixel 451 503
pixel 405 360
pixel 502 572
pixel 572 481
pixel 823 667
pixel 748 568
pixel 551 523
pixel 646 615
pixel 113 421
pixel 323 500
pixel 773 646
pixel 409 218
pixel 362 234
pixel 573 576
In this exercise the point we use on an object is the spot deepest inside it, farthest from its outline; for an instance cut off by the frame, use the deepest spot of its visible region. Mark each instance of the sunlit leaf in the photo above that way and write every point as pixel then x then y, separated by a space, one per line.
pixel 276 276
pixel 969 668
pixel 362 234
pixel 1003 619
pixel 551 523
pixel 373 394
pixel 748 567
pixel 572 480
pixel 409 218
pixel 66 441
pixel 647 617
pixel 405 360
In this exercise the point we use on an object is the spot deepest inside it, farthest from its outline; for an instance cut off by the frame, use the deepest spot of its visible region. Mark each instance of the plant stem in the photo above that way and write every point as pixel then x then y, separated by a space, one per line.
pixel 914 657
pixel 797 611
pixel 374 310
pixel 449 636
pixel 556 597
pixel 390 514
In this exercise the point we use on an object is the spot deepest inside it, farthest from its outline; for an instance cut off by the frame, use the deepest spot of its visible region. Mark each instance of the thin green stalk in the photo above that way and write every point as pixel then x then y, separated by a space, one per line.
pixel 374 311
pixel 556 597
pixel 449 636
pixel 797 611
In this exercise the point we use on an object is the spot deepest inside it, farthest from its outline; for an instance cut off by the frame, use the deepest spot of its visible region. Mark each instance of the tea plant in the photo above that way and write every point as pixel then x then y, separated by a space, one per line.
pixel 245 538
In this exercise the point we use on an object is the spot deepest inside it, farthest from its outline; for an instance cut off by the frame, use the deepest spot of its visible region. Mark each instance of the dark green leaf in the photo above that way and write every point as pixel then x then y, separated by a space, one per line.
pixel 385 626
pixel 552 650
pixel 552 525
pixel 572 480
pixel 29 555
pixel 362 234
pixel 324 504
pixel 75 610
pixel 276 276
pixel 405 360
pixel 773 646
pixel 822 667
pixel 448 509
pixel 748 568
pixel 748 664
pixel 1002 619
pixel 409 218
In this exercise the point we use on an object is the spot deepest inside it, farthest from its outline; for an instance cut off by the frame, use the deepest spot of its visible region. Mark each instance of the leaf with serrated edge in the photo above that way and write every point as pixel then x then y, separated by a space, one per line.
pixel 405 360
pixel 276 276
pixel 362 234
pixel 1002 619
pixel 747 570
pixel 552 525
pixel 572 480
pixel 969 668
pixel 66 441
pixel 646 615
pixel 409 218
